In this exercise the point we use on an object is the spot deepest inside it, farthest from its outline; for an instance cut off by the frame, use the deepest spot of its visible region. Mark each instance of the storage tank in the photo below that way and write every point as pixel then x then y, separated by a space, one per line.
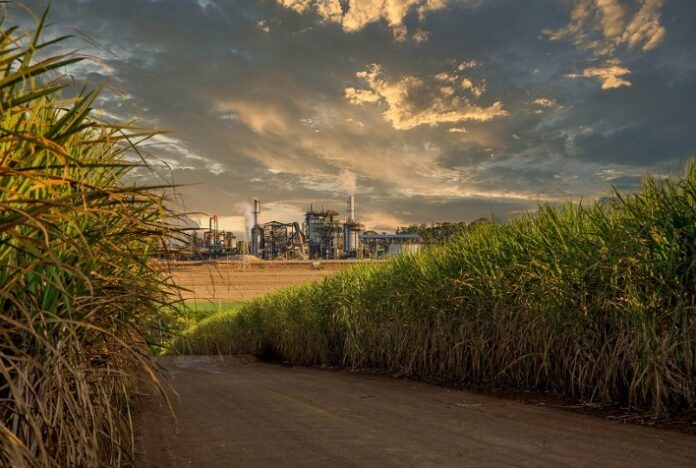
pixel 351 231
pixel 351 237
pixel 256 240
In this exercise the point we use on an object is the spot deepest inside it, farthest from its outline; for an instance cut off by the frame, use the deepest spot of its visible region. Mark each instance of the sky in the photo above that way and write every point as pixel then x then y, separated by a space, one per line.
pixel 444 110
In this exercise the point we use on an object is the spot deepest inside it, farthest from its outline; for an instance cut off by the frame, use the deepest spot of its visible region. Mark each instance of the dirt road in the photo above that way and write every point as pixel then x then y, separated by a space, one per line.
pixel 239 412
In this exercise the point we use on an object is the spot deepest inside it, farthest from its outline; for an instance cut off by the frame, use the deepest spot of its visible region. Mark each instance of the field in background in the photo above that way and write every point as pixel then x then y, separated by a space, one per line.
pixel 241 281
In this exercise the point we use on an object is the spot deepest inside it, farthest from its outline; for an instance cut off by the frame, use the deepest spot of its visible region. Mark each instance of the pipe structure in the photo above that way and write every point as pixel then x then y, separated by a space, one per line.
pixel 213 225
pixel 351 207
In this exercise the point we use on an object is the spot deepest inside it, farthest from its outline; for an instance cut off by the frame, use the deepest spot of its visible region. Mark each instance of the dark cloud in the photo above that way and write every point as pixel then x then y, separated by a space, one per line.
pixel 254 94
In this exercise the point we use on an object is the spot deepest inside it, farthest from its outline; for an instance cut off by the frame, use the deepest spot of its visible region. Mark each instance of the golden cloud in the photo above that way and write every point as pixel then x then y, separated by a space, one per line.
pixel 611 74
pixel 605 26
pixel 360 13
pixel 602 26
pixel 412 101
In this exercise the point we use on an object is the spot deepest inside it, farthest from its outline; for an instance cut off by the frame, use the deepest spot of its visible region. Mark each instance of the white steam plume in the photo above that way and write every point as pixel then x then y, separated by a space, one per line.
pixel 248 210
pixel 348 181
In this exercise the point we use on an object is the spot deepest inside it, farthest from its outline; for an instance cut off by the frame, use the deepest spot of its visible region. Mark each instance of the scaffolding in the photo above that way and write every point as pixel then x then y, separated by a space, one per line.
pixel 282 241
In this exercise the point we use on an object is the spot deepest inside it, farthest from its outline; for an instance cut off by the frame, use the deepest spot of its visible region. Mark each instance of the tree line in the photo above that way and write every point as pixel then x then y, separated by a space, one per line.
pixel 439 232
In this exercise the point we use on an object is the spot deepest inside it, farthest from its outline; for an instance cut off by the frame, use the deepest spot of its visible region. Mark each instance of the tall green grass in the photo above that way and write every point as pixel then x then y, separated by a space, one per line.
pixel 594 302
pixel 203 326
pixel 80 298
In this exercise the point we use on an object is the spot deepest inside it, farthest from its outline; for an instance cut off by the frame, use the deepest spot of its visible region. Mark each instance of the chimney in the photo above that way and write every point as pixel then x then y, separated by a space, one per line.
pixel 351 207
pixel 257 211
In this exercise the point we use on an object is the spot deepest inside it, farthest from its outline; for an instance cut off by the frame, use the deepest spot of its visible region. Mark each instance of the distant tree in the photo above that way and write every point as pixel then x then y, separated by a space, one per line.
pixel 480 221
pixel 438 232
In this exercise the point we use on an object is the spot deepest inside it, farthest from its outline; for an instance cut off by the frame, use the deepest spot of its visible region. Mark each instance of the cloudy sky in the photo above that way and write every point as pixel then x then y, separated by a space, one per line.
pixel 445 110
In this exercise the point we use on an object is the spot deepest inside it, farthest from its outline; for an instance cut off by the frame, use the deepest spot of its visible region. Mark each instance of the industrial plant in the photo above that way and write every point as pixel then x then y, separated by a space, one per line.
pixel 322 235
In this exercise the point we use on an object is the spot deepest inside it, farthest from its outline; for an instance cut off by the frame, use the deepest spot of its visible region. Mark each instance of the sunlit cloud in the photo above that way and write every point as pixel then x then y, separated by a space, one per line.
pixel 607 28
pixel 262 25
pixel 258 116
pixel 476 90
pixel 359 13
pixel 546 102
pixel 412 101
pixel 603 26
pixel 175 154
pixel 611 74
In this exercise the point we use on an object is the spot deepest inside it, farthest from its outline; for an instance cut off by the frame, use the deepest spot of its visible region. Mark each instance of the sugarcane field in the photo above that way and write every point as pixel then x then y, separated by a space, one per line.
pixel 347 233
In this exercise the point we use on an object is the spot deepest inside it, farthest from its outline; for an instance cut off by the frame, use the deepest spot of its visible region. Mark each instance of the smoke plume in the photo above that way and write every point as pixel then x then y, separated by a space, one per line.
pixel 248 210
pixel 348 182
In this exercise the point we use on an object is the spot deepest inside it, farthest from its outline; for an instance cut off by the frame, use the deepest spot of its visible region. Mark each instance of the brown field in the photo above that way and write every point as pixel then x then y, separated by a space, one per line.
pixel 241 281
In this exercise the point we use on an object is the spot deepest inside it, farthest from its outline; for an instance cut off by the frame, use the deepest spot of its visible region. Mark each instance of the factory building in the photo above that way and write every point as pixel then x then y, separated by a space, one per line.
pixel 217 242
pixel 323 235
pixel 276 240
pixel 214 242
pixel 383 245
pixel 282 241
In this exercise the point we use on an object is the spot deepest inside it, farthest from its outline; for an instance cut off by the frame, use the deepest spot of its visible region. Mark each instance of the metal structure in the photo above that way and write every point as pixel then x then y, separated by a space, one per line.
pixel 274 240
pixel 211 236
pixel 324 233
pixel 283 241
pixel 213 243
pixel 322 236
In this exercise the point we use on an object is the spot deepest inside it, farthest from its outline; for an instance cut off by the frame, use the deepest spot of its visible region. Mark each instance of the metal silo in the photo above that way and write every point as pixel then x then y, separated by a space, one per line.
pixel 351 231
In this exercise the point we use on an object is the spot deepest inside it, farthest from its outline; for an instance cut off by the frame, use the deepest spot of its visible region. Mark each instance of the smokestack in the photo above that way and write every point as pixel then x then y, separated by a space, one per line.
pixel 257 211
pixel 256 246
pixel 351 207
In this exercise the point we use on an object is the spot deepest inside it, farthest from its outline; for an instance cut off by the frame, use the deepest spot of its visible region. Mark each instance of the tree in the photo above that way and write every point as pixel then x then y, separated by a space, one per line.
pixel 438 232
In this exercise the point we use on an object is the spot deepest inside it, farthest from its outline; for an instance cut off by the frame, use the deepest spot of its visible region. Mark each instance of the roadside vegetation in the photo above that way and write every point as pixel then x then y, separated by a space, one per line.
pixel 192 312
pixel 81 300
pixel 205 328
pixel 593 302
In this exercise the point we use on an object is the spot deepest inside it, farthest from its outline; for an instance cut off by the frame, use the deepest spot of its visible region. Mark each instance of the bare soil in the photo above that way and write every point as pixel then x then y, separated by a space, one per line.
pixel 242 281
pixel 241 412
